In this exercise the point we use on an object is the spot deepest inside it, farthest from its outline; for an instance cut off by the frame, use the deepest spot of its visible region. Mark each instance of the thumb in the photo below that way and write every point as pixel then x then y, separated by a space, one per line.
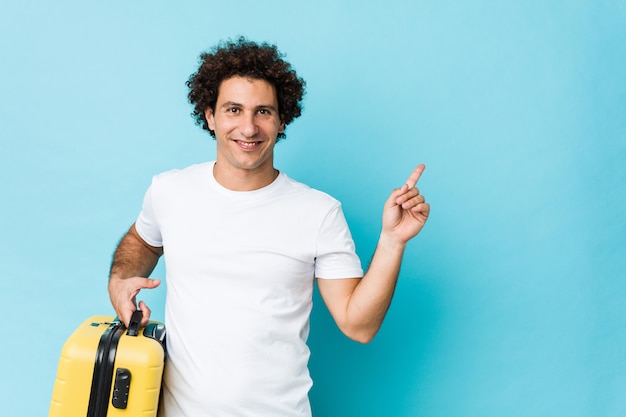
pixel 150 283
pixel 391 201
pixel 145 310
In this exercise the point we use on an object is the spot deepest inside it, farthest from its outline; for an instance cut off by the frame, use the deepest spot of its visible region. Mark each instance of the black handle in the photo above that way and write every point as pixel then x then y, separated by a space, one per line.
pixel 135 321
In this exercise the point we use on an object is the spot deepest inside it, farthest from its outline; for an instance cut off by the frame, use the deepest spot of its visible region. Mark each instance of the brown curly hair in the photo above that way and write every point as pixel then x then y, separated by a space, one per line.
pixel 245 59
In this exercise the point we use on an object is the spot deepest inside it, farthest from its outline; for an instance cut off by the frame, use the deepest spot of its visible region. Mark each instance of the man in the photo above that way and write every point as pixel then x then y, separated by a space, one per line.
pixel 243 243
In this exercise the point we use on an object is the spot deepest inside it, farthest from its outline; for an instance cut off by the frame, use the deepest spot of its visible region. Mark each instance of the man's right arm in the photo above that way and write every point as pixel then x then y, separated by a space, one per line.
pixel 133 261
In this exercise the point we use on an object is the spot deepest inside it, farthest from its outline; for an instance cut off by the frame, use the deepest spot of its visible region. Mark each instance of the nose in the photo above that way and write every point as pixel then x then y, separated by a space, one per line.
pixel 248 127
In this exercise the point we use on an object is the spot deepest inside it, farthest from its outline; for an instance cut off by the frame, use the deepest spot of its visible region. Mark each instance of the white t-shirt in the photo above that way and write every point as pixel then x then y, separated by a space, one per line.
pixel 240 268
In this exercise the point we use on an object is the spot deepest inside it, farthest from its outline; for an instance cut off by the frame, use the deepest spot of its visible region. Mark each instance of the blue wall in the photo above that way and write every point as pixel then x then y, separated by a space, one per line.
pixel 511 301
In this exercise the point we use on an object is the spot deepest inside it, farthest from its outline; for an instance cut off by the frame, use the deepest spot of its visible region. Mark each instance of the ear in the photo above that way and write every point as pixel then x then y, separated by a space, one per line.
pixel 281 128
pixel 208 113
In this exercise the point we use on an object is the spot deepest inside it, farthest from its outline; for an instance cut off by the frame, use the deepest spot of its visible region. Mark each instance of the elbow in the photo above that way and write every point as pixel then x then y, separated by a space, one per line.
pixel 361 335
pixel 364 340
pixel 358 327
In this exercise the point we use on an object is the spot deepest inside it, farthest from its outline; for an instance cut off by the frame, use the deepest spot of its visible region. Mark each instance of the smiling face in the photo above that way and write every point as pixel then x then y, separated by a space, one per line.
pixel 246 123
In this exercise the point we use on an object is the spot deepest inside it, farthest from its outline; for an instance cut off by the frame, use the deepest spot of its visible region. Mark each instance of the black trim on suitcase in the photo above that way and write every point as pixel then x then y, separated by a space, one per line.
pixel 104 366
pixel 103 371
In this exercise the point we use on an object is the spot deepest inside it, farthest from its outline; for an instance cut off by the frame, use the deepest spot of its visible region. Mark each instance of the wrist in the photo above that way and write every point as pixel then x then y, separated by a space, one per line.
pixel 390 243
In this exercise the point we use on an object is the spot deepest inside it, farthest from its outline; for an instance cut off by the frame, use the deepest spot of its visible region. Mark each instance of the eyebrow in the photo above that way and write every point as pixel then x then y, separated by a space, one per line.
pixel 261 106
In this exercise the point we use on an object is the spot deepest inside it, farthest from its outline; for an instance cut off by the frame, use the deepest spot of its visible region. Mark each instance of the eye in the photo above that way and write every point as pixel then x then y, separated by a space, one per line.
pixel 265 112
pixel 233 110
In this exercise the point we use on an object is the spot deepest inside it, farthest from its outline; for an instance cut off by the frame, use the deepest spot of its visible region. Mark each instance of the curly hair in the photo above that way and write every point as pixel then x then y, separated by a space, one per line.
pixel 245 59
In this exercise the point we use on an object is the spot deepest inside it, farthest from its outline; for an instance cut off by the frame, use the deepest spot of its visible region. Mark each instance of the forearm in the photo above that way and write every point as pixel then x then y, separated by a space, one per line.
pixel 133 262
pixel 359 306
pixel 133 257
pixel 372 296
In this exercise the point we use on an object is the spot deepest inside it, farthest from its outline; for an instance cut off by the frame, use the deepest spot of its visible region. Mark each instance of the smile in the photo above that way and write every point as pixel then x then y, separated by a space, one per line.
pixel 248 145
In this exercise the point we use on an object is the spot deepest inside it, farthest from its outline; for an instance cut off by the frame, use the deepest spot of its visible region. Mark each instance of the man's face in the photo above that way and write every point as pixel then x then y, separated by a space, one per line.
pixel 246 123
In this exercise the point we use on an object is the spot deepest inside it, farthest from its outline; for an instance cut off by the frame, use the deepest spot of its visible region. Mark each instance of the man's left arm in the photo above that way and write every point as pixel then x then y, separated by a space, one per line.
pixel 359 305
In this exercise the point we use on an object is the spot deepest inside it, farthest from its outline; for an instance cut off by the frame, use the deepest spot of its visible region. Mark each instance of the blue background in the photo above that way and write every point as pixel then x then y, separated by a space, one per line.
pixel 510 302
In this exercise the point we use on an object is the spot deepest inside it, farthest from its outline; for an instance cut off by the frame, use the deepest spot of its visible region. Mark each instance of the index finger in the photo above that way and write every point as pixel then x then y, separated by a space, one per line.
pixel 415 176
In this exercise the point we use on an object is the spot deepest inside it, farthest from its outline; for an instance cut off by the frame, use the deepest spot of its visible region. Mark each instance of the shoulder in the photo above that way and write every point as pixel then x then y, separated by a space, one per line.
pixel 307 195
pixel 184 175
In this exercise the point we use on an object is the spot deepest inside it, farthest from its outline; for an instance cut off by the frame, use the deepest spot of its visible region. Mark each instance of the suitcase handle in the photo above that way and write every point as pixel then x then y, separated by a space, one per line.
pixel 135 321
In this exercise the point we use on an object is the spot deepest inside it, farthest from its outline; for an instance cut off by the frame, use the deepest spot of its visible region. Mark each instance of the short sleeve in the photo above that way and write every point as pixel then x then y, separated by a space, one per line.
pixel 336 255
pixel 146 224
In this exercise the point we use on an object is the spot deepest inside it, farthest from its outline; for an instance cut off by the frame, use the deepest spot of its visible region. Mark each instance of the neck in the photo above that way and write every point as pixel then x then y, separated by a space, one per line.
pixel 243 179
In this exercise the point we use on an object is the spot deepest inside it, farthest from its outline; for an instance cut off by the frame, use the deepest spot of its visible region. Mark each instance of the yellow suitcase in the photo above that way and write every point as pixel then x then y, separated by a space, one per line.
pixel 108 370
